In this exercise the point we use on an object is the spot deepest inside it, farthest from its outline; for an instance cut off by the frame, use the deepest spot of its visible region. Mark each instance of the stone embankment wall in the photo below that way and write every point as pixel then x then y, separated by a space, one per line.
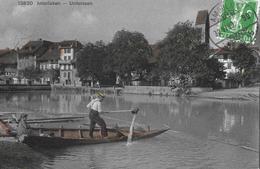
pixel 151 90
pixel 145 90
pixel 4 88
pixel 85 89
pixel 159 90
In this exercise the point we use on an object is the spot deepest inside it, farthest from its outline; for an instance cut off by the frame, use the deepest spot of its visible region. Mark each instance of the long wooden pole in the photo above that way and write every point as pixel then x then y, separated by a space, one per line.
pixel 119 111
pixel 57 118
pixel 73 118
pixel 133 111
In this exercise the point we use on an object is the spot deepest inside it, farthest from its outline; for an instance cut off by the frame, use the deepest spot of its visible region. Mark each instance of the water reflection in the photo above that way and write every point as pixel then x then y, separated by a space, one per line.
pixel 198 117
pixel 236 121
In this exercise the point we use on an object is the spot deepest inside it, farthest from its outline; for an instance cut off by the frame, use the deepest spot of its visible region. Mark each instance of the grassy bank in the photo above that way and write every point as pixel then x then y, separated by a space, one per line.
pixel 249 93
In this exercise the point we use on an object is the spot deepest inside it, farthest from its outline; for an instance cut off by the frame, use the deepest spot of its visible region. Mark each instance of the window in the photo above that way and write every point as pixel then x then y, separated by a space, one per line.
pixel 68 57
pixel 65 57
pixel 62 67
pixel 67 67
pixel 68 75
pixel 67 50
pixel 225 57
pixel 71 67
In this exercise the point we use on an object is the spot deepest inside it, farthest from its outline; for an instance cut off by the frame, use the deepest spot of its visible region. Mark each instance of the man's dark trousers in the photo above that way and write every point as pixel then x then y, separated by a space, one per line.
pixel 95 118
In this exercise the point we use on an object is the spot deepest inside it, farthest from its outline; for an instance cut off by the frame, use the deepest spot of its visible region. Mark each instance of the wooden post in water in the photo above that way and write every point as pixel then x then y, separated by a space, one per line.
pixel 40 131
pixel 61 134
pixel 80 132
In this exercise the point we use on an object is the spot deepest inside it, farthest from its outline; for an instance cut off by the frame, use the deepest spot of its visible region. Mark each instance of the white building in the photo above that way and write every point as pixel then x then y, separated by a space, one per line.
pixel 68 71
pixel 228 65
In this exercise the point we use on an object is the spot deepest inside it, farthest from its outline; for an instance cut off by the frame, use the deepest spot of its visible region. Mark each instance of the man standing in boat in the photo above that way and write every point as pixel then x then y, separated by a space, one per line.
pixel 95 110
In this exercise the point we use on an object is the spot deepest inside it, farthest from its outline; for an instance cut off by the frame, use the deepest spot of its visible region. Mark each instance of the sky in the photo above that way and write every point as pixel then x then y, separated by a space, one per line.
pixel 90 23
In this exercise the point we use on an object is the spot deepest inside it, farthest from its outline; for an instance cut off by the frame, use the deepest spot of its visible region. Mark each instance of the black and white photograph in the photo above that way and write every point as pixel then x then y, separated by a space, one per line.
pixel 129 84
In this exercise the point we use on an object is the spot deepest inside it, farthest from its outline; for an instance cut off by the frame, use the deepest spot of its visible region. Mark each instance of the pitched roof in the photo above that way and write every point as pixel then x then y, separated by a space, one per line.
pixel 38 48
pixel 53 53
pixel 8 56
pixel 4 51
pixel 70 43
pixel 202 17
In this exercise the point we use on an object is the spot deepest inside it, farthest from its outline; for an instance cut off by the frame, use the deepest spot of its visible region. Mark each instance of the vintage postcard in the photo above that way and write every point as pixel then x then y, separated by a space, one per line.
pixel 129 84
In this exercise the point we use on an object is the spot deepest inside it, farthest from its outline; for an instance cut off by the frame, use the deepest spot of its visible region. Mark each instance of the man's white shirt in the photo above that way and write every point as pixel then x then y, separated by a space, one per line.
pixel 95 104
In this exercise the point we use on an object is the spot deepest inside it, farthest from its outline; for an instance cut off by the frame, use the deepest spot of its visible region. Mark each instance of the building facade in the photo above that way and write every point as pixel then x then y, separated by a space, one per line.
pixel 8 66
pixel 29 54
pixel 48 64
pixel 8 62
pixel 68 70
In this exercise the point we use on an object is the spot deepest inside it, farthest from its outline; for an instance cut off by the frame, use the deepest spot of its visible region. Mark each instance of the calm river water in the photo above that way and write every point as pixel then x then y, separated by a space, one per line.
pixel 205 134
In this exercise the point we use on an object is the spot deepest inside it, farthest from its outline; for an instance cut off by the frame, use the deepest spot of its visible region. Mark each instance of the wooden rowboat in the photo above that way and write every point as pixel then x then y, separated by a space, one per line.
pixel 60 137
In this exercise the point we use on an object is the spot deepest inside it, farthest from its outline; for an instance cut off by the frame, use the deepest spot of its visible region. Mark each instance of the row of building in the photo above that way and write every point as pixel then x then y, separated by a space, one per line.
pixel 44 55
pixel 61 57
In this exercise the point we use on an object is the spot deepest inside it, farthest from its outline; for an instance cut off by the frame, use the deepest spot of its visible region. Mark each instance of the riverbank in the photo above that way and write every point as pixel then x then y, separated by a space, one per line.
pixel 159 90
pixel 142 90
pixel 23 87
pixel 85 89
pixel 246 93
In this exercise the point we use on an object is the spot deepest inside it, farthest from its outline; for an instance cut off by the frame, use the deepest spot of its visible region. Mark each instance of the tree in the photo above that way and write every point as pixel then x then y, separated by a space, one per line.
pixel 90 60
pixel 205 70
pixel 53 74
pixel 244 60
pixel 177 48
pixel 236 77
pixel 182 53
pixel 32 73
pixel 128 52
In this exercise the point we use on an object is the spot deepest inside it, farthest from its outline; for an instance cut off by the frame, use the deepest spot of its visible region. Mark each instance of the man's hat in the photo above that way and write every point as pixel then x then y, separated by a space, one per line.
pixel 99 94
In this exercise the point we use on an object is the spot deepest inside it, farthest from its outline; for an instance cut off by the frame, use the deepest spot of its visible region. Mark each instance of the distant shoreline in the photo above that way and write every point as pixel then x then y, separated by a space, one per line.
pixel 245 93
pixel 23 87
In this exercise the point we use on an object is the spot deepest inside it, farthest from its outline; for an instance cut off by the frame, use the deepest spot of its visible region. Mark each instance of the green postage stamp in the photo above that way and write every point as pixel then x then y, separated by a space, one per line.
pixel 238 20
